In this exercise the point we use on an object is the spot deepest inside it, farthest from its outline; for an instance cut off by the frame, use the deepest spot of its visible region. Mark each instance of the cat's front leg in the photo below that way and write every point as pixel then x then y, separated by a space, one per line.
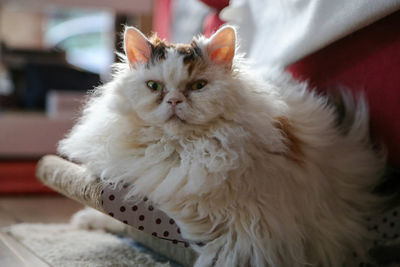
pixel 226 251
pixel 209 253
pixel 91 219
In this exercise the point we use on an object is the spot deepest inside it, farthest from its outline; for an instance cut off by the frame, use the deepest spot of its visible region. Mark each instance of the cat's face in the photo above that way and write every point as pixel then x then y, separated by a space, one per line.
pixel 179 87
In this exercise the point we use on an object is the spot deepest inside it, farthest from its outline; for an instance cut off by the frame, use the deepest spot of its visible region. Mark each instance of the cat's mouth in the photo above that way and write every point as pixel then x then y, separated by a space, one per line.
pixel 175 118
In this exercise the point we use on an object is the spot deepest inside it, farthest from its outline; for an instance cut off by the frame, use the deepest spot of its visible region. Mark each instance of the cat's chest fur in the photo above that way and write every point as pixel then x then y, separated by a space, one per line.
pixel 189 165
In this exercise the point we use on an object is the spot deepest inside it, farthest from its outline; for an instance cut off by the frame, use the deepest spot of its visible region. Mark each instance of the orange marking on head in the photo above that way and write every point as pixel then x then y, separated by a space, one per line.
pixel 293 143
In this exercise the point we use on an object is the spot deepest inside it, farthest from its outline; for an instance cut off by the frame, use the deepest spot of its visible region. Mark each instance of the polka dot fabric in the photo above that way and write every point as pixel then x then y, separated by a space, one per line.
pixel 141 214
pixel 385 228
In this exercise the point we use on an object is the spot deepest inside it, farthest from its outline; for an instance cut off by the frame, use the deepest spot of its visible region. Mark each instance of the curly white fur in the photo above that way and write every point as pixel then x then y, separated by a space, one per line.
pixel 260 171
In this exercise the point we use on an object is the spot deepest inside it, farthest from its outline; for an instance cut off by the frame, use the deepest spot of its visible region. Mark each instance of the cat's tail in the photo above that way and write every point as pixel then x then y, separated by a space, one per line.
pixel 352 115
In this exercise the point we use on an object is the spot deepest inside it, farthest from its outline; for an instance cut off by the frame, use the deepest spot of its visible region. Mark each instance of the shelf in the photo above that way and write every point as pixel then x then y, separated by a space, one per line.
pixel 30 135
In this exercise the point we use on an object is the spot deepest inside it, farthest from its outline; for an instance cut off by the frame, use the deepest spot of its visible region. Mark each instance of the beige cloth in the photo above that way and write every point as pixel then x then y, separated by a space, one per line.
pixel 61 245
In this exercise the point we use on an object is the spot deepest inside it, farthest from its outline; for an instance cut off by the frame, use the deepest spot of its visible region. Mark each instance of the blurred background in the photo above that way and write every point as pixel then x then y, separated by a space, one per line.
pixel 53 51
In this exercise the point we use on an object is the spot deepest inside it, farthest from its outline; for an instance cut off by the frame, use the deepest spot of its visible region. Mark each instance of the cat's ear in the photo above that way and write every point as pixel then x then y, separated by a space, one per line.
pixel 222 45
pixel 137 47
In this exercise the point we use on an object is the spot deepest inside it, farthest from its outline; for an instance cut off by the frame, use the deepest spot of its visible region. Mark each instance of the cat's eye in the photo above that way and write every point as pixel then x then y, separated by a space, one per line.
pixel 197 85
pixel 155 86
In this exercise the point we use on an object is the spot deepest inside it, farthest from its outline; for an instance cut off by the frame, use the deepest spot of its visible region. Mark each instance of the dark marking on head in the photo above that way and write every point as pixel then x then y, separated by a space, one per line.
pixel 158 49
pixel 192 54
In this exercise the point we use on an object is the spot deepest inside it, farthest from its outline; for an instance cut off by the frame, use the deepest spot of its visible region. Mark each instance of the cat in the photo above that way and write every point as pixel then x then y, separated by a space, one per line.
pixel 257 167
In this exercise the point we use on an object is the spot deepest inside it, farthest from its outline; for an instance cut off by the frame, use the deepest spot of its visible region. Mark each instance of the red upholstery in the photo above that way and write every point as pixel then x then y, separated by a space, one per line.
pixel 212 22
pixel 369 61
pixel 162 18
pixel 216 4
pixel 19 177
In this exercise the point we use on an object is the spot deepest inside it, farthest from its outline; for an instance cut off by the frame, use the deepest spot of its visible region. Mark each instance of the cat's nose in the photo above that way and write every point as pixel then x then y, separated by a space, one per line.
pixel 173 101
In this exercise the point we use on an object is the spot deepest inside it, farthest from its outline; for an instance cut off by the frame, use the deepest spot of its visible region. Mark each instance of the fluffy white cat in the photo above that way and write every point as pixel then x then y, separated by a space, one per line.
pixel 260 170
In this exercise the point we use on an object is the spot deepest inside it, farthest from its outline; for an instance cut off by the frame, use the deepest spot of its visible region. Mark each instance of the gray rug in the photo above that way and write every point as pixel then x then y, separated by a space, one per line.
pixel 62 245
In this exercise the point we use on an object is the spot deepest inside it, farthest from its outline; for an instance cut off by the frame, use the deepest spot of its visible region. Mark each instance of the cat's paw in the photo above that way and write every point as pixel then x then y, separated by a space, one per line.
pixel 91 219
